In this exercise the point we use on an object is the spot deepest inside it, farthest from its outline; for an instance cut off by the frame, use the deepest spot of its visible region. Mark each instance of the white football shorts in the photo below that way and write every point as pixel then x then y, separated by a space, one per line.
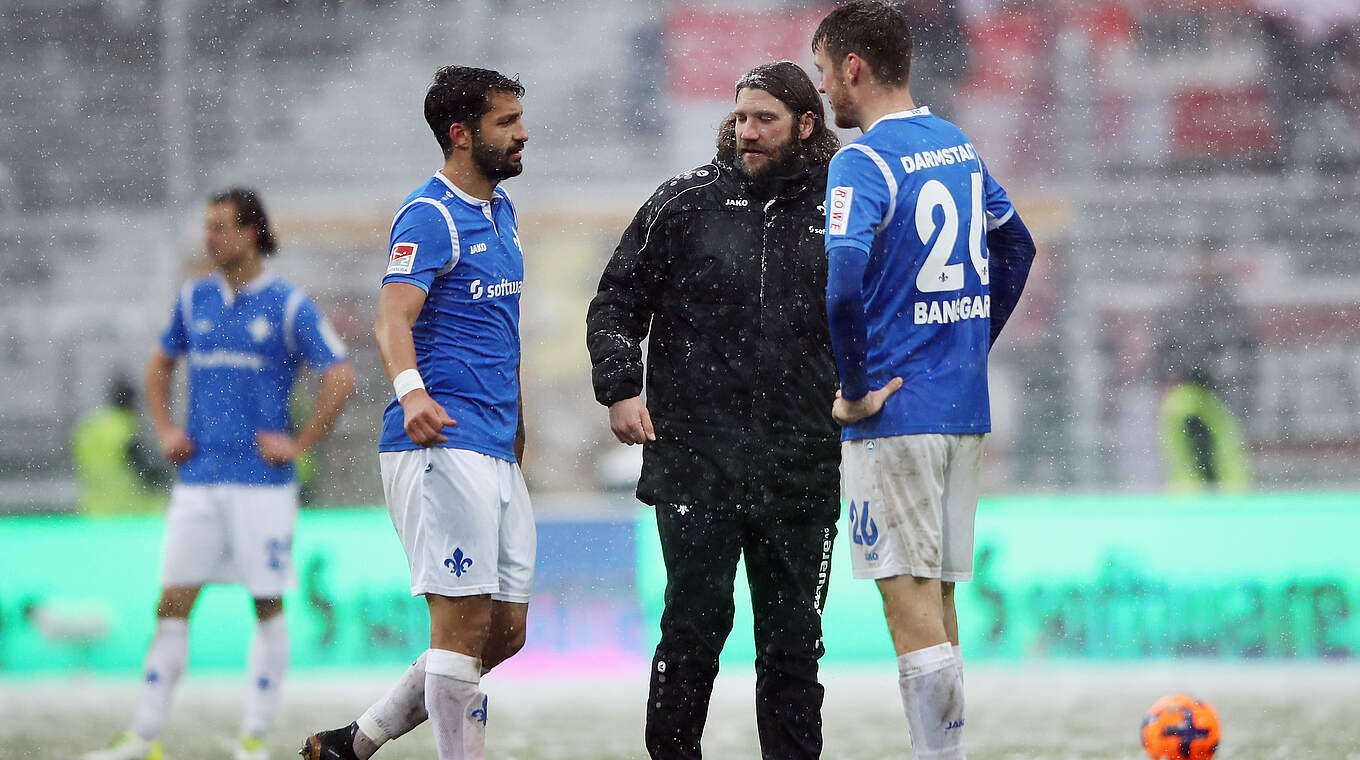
pixel 465 521
pixel 231 533
pixel 912 500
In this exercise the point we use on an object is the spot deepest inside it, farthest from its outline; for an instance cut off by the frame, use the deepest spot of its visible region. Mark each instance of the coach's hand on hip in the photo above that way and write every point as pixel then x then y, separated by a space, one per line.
pixel 425 418
pixel 849 412
pixel 630 421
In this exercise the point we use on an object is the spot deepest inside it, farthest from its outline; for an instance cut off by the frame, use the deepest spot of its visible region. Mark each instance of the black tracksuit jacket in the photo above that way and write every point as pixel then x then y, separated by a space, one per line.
pixel 729 280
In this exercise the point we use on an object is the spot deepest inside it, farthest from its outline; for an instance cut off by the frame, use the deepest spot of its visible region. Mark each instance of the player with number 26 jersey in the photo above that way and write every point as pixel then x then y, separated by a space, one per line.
pixel 913 194
pixel 926 260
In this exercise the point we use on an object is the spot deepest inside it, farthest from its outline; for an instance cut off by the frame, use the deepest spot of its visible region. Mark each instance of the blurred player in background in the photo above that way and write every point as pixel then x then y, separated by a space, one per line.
pixel 244 334
pixel 118 472
pixel 914 304
pixel 1208 365
pixel 452 437
pixel 724 266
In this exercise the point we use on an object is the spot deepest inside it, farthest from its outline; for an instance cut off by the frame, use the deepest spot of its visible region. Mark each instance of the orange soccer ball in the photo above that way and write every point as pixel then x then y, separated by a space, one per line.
pixel 1180 727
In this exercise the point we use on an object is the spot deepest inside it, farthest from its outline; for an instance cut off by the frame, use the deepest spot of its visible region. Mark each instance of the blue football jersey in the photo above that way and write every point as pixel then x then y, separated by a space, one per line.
pixel 243 351
pixel 912 193
pixel 464 253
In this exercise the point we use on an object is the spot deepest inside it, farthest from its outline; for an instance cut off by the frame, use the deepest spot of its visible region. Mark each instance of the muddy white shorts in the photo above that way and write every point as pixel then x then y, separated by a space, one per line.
pixel 230 533
pixel 911 501
pixel 465 521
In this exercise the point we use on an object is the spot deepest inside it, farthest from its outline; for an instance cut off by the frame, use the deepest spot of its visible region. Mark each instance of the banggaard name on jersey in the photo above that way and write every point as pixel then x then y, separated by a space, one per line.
pixel 929 159
pixel 955 310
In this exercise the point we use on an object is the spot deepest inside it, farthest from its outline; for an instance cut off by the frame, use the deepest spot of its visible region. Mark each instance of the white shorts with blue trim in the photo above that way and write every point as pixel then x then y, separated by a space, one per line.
pixel 231 533
pixel 465 521
pixel 912 500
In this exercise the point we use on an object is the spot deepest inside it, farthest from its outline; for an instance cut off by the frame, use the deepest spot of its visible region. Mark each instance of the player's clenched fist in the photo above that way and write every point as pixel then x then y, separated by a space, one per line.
pixel 631 422
pixel 175 445
pixel 425 418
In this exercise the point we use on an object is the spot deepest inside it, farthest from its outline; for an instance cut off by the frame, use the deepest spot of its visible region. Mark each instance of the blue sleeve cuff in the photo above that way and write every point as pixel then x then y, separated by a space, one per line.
pixel 408 280
pixel 849 242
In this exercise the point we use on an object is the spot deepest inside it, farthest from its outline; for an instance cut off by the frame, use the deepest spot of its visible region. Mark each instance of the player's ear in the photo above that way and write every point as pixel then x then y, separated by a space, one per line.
pixel 460 136
pixel 805 125
pixel 853 68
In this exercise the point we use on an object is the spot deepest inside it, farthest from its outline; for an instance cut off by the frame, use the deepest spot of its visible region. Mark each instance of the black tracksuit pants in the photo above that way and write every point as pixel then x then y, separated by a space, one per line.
pixel 788 564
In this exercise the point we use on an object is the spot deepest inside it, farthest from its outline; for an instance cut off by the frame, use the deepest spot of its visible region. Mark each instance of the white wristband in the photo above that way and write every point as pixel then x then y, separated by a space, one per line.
pixel 406 381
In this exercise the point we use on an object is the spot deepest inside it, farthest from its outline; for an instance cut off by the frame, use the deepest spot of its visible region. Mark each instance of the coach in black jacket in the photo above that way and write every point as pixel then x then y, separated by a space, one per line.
pixel 725 267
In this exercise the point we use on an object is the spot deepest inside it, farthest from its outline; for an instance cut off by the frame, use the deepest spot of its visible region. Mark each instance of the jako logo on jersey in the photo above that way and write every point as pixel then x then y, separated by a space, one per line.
pixel 839 214
pixel 403 258
pixel 477 248
pixel 500 289
pixel 458 564
pixel 863 529
pixel 738 202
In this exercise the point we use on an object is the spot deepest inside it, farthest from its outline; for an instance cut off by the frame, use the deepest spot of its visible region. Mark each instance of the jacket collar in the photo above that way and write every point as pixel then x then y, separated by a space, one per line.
pixel 766 189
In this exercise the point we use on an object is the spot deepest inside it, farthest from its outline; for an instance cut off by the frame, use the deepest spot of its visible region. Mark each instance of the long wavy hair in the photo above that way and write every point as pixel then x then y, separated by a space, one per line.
pixel 790 85
pixel 250 213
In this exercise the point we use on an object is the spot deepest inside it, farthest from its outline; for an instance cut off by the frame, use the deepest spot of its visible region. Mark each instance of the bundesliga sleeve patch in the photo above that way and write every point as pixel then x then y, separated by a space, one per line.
pixel 838 212
pixel 403 258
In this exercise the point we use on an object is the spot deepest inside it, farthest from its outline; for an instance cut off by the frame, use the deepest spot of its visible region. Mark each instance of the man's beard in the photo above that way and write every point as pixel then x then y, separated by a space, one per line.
pixel 840 108
pixel 493 162
pixel 787 159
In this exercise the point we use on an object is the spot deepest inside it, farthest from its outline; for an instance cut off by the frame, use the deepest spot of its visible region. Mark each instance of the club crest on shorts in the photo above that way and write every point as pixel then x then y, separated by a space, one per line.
pixel 458 564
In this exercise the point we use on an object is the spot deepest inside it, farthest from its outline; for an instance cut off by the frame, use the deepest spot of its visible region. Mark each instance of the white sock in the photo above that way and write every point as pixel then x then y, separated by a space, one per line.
pixel 457 708
pixel 165 661
pixel 932 694
pixel 958 658
pixel 399 711
pixel 268 664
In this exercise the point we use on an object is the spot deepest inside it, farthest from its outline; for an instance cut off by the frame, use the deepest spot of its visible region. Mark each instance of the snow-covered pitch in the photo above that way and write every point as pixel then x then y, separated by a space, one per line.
pixel 1269 711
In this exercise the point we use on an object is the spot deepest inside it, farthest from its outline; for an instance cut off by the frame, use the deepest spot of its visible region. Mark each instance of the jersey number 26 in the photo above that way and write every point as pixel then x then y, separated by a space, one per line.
pixel 937 275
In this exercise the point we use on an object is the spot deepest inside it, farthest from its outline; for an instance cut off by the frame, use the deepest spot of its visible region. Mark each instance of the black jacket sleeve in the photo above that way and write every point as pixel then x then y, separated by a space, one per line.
pixel 1010 251
pixel 621 312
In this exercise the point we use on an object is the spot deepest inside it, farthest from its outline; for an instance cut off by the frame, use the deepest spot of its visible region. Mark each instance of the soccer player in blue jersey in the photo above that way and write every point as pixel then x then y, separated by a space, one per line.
pixel 927 258
pixel 243 333
pixel 453 434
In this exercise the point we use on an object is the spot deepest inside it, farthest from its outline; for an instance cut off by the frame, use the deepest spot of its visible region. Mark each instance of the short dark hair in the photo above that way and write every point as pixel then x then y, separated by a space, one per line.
pixel 249 213
pixel 789 84
pixel 462 95
pixel 122 391
pixel 873 30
